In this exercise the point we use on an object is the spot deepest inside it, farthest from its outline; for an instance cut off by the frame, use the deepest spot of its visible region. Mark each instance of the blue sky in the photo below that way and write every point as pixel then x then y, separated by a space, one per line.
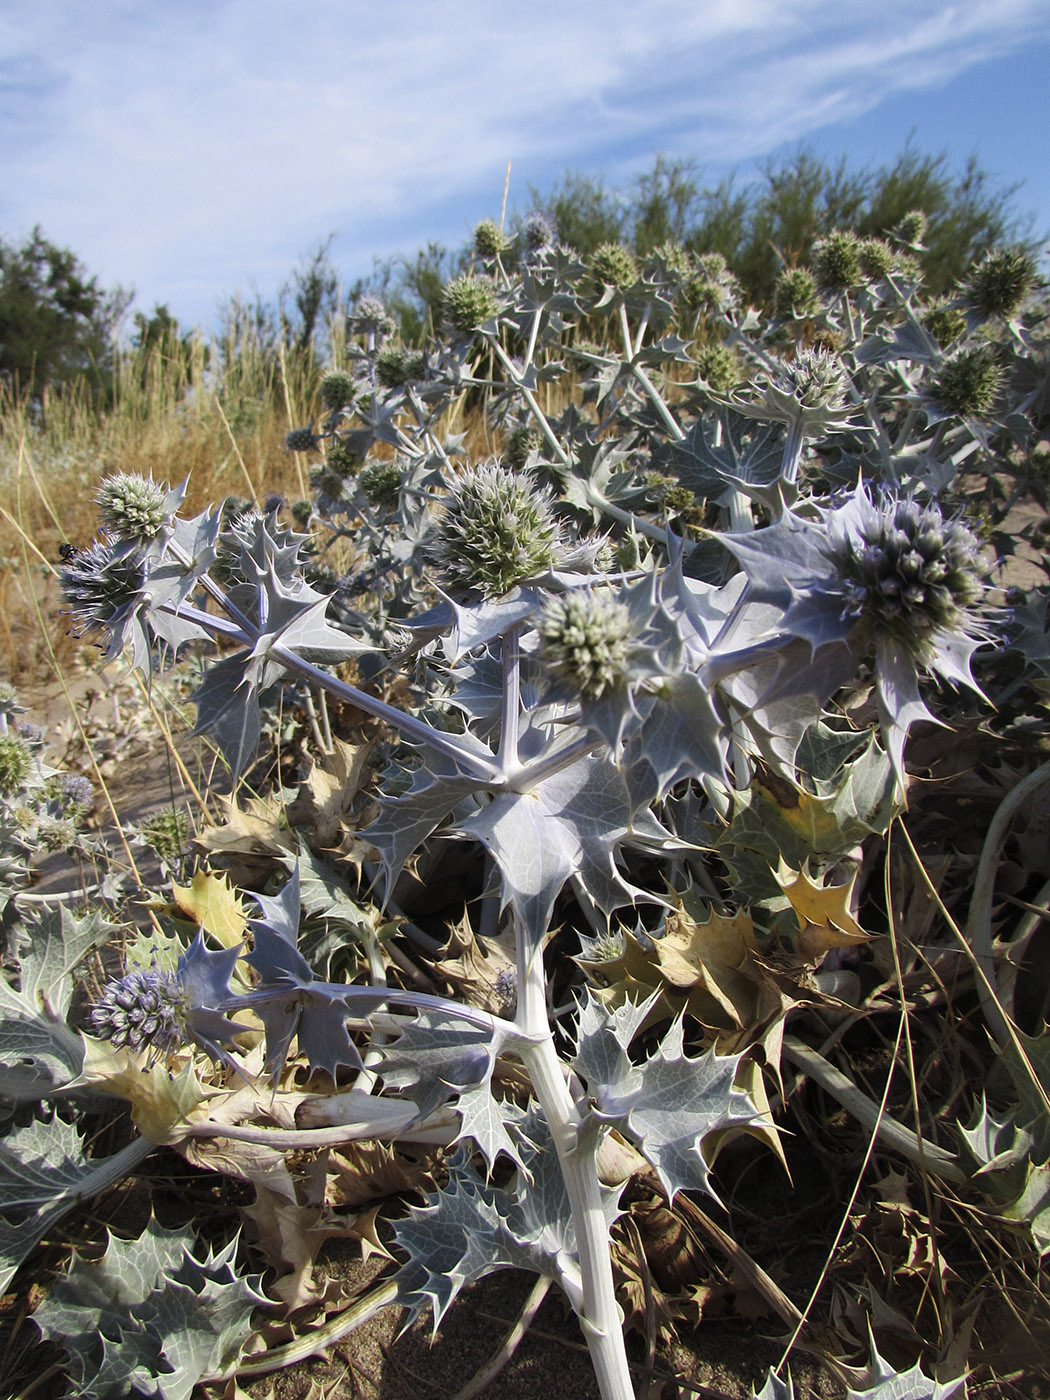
pixel 194 150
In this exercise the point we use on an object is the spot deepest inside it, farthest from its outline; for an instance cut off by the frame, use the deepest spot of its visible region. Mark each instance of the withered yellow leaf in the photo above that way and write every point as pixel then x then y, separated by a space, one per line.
pixel 211 901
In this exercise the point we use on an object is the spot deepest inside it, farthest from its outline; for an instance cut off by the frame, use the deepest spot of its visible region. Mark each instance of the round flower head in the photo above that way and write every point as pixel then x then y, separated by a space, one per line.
pixel 74 790
pixel 886 577
pixel 912 228
pixel 876 258
pixel 613 265
pixel 670 260
pixel 719 367
pixel 522 440
pixel 302 440
pixel 468 302
pixel 370 317
pixel 340 458
pixel 146 1010
pixel 99 584
pixel 1001 280
pixel 337 389
pixel 713 289
pixel 944 322
pixel 968 382
pixel 134 509
pixel 497 530
pixel 796 294
pixel 909 574
pixel 537 231
pixel 397 366
pixel 585 641
pixel 381 484
pixel 160 1011
pixel 836 261
pixel 489 241
pixel 809 394
pixel 15 762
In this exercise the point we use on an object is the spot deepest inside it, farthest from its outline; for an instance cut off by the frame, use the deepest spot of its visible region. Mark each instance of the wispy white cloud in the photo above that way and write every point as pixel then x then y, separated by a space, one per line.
pixel 188 149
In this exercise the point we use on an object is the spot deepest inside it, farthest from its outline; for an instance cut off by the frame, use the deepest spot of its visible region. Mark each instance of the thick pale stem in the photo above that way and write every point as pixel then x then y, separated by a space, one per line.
pixel 485 769
pixel 577 1149
pixel 507 758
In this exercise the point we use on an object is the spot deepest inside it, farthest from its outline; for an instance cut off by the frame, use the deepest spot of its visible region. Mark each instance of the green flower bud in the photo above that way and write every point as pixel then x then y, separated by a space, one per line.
pixel 719 367
pixel 498 529
pixel 876 259
pixel 134 507
pixel 969 381
pixel 381 484
pixel 301 512
pixel 489 242
pixel 999 283
pixel 585 640
pixel 796 294
pixel 521 442
pixel 912 228
pixel 713 289
pixel 468 302
pixel 339 458
pixel 945 323
pixel 337 389
pixel 671 259
pixel 166 834
pixel 836 261
pixel 613 265
pixel 15 761
pixel 302 440
pixel 391 366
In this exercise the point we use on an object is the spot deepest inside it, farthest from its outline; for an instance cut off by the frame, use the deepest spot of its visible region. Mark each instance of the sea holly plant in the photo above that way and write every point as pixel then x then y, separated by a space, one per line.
pixel 646 682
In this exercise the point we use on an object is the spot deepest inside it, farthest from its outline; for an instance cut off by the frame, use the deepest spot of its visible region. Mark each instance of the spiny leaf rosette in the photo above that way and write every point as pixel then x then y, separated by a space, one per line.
pixel 498 529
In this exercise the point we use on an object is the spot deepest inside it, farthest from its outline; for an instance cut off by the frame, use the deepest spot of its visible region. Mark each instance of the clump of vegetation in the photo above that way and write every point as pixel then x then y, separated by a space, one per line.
pixel 581 802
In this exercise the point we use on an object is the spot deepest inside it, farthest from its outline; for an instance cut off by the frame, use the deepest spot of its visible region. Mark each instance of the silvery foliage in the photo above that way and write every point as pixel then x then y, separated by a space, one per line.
pixel 595 684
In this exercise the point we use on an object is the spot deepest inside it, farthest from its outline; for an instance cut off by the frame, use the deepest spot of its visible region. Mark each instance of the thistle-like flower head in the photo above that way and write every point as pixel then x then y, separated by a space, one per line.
pixel 912 228
pixel 613 265
pixel 468 302
pixel 809 392
pixel 381 484
pixel 498 529
pixel 837 261
pixel 585 640
pixel 99 584
pixel 302 440
pixel 796 294
pixel 15 761
pixel 885 578
pixel 713 288
pixel 876 258
pixel 370 317
pixel 159 1011
pixel 145 1010
pixel 337 389
pixel 908 573
pixel 999 283
pixel 489 239
pixel 134 509
pixel 968 381
pixel 537 231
